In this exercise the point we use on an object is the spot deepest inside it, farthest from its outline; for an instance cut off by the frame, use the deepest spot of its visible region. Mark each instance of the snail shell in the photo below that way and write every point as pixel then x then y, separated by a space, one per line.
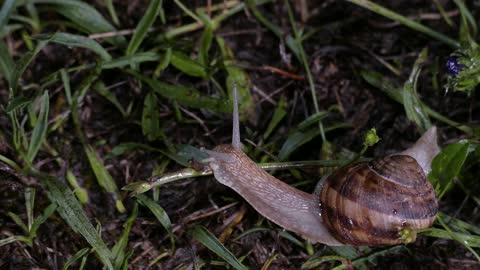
pixel 370 203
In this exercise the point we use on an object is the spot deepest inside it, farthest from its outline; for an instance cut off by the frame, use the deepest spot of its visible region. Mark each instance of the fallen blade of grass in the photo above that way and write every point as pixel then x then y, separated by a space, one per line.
pixel 207 239
pixel 145 23
pixel 71 212
pixel 160 214
pixel 72 40
pixel 39 132
pixel 406 21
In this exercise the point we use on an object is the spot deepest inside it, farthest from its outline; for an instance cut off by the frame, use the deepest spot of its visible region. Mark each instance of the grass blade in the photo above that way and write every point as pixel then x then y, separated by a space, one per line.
pixel 104 178
pixel 72 40
pixel 7 8
pixel 6 62
pixel 41 219
pixel 151 118
pixel 22 64
pixel 118 251
pixel 79 254
pixel 71 211
pixel 411 102
pixel 159 213
pixel 132 59
pixel 40 130
pixel 211 242
pixel 186 96
pixel 191 67
pixel 84 16
pixel 145 23
pixel 406 21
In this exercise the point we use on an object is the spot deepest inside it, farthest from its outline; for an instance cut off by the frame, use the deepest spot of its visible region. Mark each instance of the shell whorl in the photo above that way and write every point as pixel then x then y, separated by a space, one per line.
pixel 370 203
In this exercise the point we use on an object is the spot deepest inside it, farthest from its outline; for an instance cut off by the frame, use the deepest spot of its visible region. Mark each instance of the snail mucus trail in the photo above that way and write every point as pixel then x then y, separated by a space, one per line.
pixel 366 203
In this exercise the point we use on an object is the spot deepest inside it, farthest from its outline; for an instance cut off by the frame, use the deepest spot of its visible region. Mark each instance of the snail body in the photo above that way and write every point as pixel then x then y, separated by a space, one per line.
pixel 366 203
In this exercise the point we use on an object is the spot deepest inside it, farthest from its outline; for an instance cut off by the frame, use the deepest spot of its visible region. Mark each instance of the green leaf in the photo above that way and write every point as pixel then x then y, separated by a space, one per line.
pixel 207 239
pixel 188 66
pixel 186 96
pixel 72 40
pixel 71 211
pixel 448 164
pixel 6 63
pixel 119 250
pixel 159 213
pixel 145 23
pixel 8 240
pixel 7 9
pixel 411 102
pixel 40 130
pixel 151 117
pixel 84 16
pixel 104 178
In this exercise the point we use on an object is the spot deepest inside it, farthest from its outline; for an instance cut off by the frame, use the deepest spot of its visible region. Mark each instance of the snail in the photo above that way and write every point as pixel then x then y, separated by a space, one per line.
pixel 367 203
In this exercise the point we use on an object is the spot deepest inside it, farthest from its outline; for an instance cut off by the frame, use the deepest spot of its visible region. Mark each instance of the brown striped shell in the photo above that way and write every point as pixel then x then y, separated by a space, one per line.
pixel 370 203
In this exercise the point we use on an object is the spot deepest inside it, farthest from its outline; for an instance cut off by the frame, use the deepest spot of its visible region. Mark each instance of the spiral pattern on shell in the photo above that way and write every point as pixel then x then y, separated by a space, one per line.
pixel 370 203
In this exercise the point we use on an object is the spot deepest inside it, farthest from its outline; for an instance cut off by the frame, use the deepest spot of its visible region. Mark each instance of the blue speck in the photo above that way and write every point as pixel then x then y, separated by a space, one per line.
pixel 453 66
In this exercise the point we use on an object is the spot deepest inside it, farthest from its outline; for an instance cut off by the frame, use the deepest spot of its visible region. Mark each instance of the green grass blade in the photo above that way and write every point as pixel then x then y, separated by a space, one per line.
pixel 118 251
pixel 22 64
pixel 151 118
pixel 145 23
pixel 131 59
pixel 80 192
pixel 72 40
pixel 29 205
pixel 16 218
pixel 111 11
pixel 188 66
pixel 71 211
pixel 186 96
pixel 106 93
pixel 207 239
pixel 39 132
pixel 236 76
pixel 78 255
pixel 411 102
pixel 7 9
pixel 6 62
pixel 84 16
pixel 17 103
pixel 159 213
pixel 104 178
pixel 41 219
pixel 406 21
